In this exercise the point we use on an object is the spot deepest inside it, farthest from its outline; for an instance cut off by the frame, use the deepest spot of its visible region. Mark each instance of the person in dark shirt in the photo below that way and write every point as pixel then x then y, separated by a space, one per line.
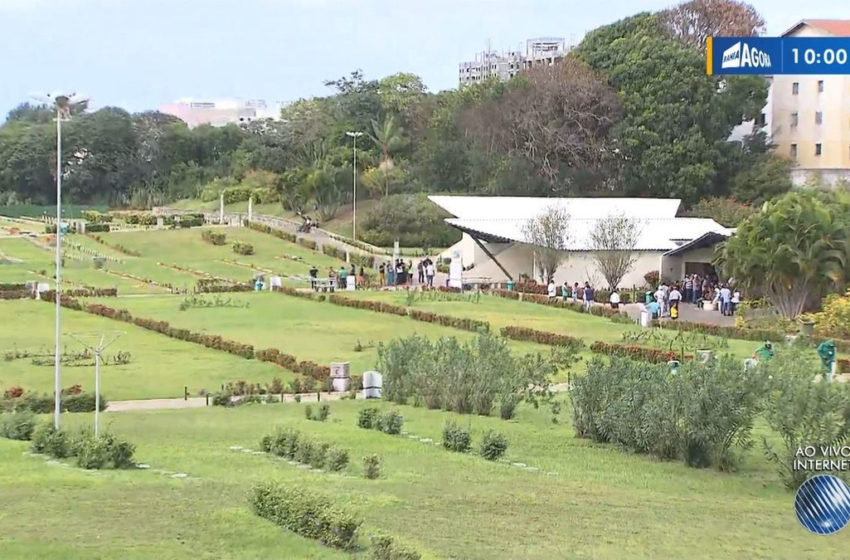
pixel 314 274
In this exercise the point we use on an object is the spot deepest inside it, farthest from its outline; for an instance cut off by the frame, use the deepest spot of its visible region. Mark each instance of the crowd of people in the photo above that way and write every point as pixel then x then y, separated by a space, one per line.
pixel 398 273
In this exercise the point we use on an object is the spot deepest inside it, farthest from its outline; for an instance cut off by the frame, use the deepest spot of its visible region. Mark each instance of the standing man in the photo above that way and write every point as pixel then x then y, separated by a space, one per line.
pixel 430 272
pixel 588 297
pixel 725 300
pixel 675 297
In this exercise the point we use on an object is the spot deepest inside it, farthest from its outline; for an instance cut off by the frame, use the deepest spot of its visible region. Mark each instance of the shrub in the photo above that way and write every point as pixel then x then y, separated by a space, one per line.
pixel 47 440
pixel 412 220
pixel 214 237
pixel 390 422
pixel 309 243
pixel 456 438
pixel 18 425
pixel 324 412
pixel 101 452
pixel 493 446
pixel 305 512
pixel 542 337
pixel 222 398
pixel 337 459
pixel 281 443
pixel 368 418
pixel 279 233
pixel 319 456
pixel 727 212
pixel 640 353
pixel 701 416
pixel 308 412
pixel 386 548
pixel 802 413
pixel 372 466
pixel 304 450
pixel 243 248
pixel 376 306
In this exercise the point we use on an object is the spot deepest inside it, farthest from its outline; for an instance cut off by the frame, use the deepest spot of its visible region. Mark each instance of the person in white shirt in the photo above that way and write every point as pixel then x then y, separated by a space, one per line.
pixel 615 300
pixel 725 300
pixel 430 272
pixel 553 292
pixel 660 297
pixel 736 299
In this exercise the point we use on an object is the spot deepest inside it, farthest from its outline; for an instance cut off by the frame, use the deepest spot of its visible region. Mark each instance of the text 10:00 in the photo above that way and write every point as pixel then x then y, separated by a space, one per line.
pixel 829 56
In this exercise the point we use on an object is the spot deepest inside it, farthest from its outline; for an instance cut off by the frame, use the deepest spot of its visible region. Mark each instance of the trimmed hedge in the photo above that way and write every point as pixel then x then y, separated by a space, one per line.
pixel 44 403
pixel 641 353
pixel 307 513
pixel 462 323
pixel 279 233
pixel 376 306
pixel 541 337
pixel 309 243
pixel 50 295
pixel 596 310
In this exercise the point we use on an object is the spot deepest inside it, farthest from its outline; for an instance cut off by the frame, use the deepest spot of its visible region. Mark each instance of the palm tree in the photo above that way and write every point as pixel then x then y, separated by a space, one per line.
pixel 387 136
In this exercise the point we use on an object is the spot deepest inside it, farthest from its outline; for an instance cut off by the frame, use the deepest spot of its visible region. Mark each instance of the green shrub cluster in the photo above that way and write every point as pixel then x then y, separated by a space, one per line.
pixel 214 237
pixel 43 403
pixel 323 414
pixel 106 451
pixel 307 513
pixel 412 220
pixel 389 422
pixel 466 377
pixel 243 248
pixel 493 445
pixel 703 415
pixel 18 425
pixel 295 446
pixel 456 438
pixel 386 548
pixel 372 466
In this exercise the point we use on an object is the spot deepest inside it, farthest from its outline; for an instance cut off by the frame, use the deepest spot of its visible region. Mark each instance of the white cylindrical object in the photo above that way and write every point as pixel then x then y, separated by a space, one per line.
pixel 340 370
pixel 704 355
pixel 97 393
pixel 350 283
pixel 372 384
pixel 644 319
pixel 341 384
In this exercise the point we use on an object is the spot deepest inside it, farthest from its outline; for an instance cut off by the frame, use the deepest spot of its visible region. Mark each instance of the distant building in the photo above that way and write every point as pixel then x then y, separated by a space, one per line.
pixel 808 117
pixel 506 65
pixel 195 112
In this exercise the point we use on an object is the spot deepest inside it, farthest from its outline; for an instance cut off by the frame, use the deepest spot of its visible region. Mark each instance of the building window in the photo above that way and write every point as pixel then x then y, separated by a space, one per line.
pixel 795 88
pixel 820 86
pixel 818 149
pixel 819 117
pixel 794 151
pixel 795 118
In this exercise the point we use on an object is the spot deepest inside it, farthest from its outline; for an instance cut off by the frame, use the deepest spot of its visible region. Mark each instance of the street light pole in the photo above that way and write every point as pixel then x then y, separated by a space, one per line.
pixel 63 104
pixel 355 136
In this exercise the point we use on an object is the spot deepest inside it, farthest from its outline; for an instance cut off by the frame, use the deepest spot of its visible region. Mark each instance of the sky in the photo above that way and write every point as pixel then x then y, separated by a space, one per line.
pixel 140 54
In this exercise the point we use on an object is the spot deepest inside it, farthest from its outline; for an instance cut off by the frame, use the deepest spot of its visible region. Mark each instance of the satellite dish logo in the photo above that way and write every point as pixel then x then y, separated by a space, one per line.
pixel 823 504
pixel 742 55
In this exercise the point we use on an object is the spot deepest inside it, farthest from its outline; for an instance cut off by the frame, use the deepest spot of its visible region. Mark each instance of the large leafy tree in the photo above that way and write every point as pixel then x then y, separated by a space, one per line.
pixel 695 21
pixel 790 251
pixel 677 119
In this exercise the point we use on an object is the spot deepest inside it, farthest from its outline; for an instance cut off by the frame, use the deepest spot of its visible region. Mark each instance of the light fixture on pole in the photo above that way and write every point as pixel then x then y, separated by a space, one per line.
pixel 62 103
pixel 97 343
pixel 354 135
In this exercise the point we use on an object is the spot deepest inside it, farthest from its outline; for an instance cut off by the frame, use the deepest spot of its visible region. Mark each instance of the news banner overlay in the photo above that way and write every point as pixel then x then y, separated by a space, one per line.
pixel 778 55
pixel 823 504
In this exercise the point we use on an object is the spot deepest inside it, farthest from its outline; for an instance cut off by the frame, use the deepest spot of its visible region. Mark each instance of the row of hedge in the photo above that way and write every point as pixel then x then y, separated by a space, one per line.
pixel 526 334
pixel 44 403
pixel 89 228
pixel 50 295
pixel 214 342
pixel 596 310
pixel 115 246
pixel 367 261
pixel 462 323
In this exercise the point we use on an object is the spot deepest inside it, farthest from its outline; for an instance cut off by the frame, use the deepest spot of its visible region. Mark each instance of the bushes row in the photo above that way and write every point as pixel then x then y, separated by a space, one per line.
pixel 44 403
pixel 306 513
pixel 12 287
pixel 389 422
pixel 15 294
pixel 287 361
pixel 309 243
pixel 105 451
pixel 140 219
pixel 214 237
pixel 290 291
pixel 541 337
pixel 596 310
pixel 332 251
pixel 640 353
pixel 243 248
pixel 321 416
pixel 463 323
pixel 116 246
pixel 50 295
pixel 295 446
pixel 467 378
pixel 279 233
pixel 89 228
pixel 458 439
pixel 95 217
pixel 206 286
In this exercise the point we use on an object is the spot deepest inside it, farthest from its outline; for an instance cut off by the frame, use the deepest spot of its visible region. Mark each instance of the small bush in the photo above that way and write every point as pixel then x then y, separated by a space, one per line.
pixel 308 412
pixel 386 548
pixel 282 443
pixel 319 457
pixel 47 440
pixel 456 438
pixel 243 248
pixel 493 446
pixel 372 466
pixel 18 425
pixel 222 398
pixel 304 450
pixel 102 452
pixel 214 237
pixel 337 459
pixel 367 418
pixel 324 412
pixel 390 422
pixel 306 513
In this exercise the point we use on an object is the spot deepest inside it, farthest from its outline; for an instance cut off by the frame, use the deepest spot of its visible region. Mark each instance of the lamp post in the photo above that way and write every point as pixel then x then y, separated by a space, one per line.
pixel 354 135
pixel 63 103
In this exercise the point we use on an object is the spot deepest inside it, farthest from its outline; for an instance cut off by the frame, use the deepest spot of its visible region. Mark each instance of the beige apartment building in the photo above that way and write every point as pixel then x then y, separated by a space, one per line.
pixel 809 116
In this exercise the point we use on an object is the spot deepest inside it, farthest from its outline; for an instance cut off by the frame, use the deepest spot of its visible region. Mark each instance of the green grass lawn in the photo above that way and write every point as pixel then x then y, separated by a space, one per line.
pixel 160 367
pixel 309 330
pixel 598 503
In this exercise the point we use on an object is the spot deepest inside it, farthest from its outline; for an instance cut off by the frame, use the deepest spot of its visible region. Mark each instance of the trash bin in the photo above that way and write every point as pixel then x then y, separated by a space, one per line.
pixel 807 328
pixel 510 285
pixel 648 298
pixel 674 366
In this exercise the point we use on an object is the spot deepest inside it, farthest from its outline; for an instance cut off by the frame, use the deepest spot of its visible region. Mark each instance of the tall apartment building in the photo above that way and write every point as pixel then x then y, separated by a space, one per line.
pixel 196 112
pixel 809 116
pixel 507 64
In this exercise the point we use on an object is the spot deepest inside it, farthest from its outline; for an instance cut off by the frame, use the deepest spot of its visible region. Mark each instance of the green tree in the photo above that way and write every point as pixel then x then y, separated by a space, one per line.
pixel 388 136
pixel 790 251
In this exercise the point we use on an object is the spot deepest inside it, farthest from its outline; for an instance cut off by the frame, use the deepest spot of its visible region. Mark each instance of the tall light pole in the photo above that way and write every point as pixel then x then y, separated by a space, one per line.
pixel 354 135
pixel 63 103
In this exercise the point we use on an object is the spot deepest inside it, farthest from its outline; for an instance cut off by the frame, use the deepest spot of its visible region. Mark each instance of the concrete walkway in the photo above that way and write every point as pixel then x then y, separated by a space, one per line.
pixel 201 402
